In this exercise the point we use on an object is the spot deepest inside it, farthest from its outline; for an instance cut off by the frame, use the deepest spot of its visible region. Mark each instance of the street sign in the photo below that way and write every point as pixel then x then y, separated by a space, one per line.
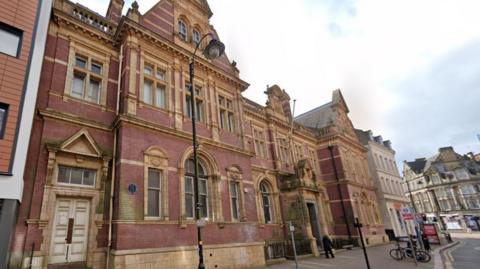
pixel 407 213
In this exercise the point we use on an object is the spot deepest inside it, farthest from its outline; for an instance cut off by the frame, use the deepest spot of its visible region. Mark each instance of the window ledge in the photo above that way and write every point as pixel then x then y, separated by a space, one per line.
pixel 73 98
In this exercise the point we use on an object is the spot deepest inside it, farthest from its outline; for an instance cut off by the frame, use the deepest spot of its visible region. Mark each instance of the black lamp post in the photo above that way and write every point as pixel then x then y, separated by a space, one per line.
pixel 213 50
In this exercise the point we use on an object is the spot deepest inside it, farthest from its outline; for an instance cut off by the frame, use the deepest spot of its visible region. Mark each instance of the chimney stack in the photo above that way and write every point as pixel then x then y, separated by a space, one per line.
pixel 114 11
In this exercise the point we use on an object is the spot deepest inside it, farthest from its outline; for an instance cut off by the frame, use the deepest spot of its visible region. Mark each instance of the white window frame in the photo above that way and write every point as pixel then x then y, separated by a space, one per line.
pixel 156 83
pixel 182 30
pixel 237 198
pixel 158 189
pixel 225 108
pixel 260 144
pixel 70 176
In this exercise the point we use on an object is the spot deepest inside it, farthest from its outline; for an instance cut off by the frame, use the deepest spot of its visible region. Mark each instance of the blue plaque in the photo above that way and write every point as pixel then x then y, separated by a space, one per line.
pixel 132 188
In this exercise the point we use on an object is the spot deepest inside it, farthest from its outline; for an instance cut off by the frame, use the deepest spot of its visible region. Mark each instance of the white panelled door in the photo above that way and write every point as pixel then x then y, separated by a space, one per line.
pixel 75 212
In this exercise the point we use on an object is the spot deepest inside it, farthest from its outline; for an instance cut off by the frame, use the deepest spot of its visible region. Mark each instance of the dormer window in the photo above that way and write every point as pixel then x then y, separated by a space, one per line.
pixel 196 37
pixel 182 30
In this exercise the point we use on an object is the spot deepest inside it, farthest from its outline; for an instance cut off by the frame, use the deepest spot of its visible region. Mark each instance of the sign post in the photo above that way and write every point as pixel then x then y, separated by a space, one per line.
pixel 292 229
pixel 358 225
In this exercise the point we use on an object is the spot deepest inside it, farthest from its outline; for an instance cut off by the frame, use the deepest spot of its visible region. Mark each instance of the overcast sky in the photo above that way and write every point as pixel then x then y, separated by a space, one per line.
pixel 408 69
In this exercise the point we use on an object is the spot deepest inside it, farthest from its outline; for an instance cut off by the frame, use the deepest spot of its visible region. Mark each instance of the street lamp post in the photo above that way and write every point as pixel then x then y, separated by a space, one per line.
pixel 213 50
pixel 419 238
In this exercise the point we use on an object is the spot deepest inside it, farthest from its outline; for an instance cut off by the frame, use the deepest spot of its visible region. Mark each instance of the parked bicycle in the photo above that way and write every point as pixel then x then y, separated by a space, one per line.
pixel 399 253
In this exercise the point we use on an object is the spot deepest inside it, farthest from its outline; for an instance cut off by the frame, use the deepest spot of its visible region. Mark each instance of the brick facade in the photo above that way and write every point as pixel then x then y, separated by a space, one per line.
pixel 281 173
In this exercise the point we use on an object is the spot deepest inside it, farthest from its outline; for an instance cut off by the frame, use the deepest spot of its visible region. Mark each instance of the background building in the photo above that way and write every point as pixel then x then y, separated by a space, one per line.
pixel 110 154
pixel 344 170
pixel 446 187
pixel 23 31
pixel 390 192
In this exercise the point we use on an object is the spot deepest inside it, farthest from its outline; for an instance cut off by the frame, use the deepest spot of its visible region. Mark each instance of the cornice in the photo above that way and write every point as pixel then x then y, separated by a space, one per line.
pixel 73 119
pixel 128 26
pixel 66 20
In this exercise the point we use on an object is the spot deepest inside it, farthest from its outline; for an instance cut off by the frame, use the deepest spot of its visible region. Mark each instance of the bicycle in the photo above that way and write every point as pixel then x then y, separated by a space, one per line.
pixel 399 253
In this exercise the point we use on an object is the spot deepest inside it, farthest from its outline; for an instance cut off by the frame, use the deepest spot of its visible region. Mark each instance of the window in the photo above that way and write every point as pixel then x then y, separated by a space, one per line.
pixel 154 192
pixel 260 145
pixel 225 106
pixel 76 176
pixel 461 173
pixel 182 30
pixel 266 202
pixel 11 40
pixel 87 79
pixel 299 152
pixel 313 159
pixel 198 102
pixel 3 119
pixel 234 196
pixel 190 192
pixel 196 37
pixel 154 86
pixel 283 149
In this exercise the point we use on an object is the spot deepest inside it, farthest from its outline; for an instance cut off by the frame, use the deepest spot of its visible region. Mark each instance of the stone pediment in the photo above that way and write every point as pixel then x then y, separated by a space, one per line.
pixel 81 143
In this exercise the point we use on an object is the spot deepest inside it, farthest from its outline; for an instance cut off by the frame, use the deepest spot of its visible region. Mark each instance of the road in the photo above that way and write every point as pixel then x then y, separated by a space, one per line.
pixel 354 259
pixel 467 254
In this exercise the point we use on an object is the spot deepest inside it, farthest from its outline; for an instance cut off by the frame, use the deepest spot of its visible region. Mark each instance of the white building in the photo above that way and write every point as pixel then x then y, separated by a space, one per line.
pixel 390 193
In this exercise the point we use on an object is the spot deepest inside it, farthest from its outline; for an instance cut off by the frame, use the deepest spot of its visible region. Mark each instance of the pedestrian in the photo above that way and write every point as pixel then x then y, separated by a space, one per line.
pixel 328 246
pixel 426 243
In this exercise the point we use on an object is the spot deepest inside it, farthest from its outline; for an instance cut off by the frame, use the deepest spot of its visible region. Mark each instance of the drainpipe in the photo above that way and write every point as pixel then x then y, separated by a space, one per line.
pixel 114 157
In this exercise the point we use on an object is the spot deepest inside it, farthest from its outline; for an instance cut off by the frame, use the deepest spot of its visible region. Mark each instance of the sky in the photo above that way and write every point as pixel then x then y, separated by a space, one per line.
pixel 409 70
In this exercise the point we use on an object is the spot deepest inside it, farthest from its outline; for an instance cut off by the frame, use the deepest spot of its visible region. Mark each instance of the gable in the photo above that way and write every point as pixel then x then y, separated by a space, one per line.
pixel 163 18
pixel 81 143
pixel 160 19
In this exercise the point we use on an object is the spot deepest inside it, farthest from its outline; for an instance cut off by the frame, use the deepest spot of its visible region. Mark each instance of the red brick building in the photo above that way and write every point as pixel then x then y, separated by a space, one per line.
pixel 110 154
pixel 23 30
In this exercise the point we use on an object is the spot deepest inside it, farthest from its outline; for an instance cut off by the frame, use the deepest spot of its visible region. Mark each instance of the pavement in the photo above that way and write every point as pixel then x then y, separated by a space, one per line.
pixel 464 255
pixel 354 259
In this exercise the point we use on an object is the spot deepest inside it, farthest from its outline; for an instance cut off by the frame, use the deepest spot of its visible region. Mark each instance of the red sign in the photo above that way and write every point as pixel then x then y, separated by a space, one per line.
pixel 430 232
pixel 407 216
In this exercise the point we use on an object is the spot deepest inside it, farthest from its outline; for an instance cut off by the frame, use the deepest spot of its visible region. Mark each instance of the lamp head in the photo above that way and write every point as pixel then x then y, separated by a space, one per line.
pixel 214 49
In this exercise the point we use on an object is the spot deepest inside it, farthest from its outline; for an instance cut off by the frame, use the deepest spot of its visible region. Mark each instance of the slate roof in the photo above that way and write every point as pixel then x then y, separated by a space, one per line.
pixel 317 118
pixel 418 165
pixel 363 136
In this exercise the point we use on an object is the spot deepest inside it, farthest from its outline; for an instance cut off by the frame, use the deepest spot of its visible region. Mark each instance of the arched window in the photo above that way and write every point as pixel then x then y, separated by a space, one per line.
pixel 196 37
pixel 190 191
pixel 182 29
pixel 265 194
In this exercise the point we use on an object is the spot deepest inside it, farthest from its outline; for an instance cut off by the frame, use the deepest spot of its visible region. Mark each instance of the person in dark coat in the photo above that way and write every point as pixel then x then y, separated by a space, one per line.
pixel 327 246
pixel 426 243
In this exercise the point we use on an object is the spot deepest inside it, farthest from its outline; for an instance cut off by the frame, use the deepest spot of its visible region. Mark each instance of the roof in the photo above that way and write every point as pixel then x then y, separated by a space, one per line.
pixel 319 117
pixel 418 165
pixel 363 136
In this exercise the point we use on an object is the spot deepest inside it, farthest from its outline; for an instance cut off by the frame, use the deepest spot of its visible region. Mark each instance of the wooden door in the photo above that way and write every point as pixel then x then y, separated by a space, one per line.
pixel 70 231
